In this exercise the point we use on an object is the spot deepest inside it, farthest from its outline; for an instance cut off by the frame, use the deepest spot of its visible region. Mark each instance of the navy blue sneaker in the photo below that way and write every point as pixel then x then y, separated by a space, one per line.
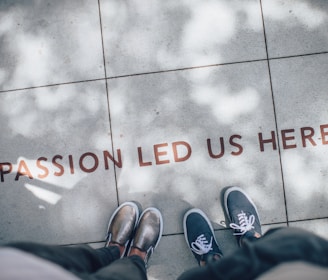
pixel 200 236
pixel 242 214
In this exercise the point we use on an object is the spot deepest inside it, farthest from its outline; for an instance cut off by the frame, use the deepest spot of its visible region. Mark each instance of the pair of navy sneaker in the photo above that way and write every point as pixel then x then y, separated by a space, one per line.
pixel 242 216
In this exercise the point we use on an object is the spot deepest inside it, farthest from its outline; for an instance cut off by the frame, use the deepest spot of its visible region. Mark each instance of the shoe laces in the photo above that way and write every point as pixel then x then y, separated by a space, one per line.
pixel 201 245
pixel 245 223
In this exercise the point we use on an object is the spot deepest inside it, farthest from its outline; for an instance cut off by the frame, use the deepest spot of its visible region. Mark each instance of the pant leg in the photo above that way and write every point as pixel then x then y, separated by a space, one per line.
pixel 277 246
pixel 78 260
pixel 130 268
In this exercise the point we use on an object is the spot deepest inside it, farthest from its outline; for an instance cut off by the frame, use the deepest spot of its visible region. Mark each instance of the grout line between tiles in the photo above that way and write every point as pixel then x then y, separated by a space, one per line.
pixel 307 220
pixel 213 65
pixel 275 115
pixel 186 68
pixel 107 94
pixel 298 55
pixel 52 85
pixel 163 71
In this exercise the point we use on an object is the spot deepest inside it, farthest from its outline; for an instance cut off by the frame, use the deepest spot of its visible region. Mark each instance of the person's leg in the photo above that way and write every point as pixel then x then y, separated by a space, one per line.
pixel 243 218
pixel 276 247
pixel 256 254
pixel 79 259
pixel 147 236
pixel 254 258
pixel 83 259
pixel 130 268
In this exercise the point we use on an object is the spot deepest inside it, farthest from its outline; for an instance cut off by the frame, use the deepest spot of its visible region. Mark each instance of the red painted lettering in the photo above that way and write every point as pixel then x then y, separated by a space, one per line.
pixel 324 133
pixel 23 170
pixel 141 163
pixel 270 140
pixel 234 144
pixel 307 136
pixel 210 151
pixel 95 164
pixel 159 154
pixel 107 156
pixel 286 138
pixel 4 171
pixel 178 158
pixel 71 164
pixel 59 166
pixel 42 167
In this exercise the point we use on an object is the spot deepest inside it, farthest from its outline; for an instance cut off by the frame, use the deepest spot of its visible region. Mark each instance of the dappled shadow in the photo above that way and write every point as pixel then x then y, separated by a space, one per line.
pixel 49 42
pixel 195 104
pixel 303 161
pixel 295 27
pixel 50 139
pixel 170 35
pixel 180 113
pixel 223 92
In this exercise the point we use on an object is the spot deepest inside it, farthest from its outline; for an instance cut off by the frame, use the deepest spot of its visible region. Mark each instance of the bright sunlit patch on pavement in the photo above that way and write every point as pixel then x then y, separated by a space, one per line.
pixel 45 195
pixel 303 12
pixel 225 105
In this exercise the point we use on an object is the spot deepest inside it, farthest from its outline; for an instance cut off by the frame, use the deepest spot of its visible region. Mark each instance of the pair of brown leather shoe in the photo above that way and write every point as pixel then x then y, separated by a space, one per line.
pixel 127 229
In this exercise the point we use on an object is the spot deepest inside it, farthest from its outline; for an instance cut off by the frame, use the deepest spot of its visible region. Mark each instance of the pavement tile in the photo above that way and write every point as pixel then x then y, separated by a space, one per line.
pixel 300 94
pixel 59 190
pixel 317 226
pixel 295 27
pixel 161 35
pixel 44 42
pixel 161 123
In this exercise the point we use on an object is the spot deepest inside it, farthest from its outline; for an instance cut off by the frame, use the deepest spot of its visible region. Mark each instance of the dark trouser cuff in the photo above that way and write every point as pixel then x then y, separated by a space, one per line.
pixel 108 254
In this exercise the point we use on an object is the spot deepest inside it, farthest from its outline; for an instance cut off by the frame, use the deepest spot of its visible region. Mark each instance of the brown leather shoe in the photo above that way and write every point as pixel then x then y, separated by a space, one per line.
pixel 122 225
pixel 149 232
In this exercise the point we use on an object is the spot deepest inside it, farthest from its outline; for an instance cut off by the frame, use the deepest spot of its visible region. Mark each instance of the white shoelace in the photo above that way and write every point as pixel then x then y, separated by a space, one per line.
pixel 245 223
pixel 201 246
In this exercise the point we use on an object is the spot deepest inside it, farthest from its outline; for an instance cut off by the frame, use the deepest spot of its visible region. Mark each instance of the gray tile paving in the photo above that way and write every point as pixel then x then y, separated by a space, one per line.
pixel 178 136
pixel 318 226
pixel 49 42
pixel 301 83
pixel 55 186
pixel 295 27
pixel 179 108
pixel 140 37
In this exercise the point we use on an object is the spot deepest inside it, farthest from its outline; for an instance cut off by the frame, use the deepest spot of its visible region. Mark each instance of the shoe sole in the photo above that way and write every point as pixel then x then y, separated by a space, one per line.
pixel 200 212
pixel 225 199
